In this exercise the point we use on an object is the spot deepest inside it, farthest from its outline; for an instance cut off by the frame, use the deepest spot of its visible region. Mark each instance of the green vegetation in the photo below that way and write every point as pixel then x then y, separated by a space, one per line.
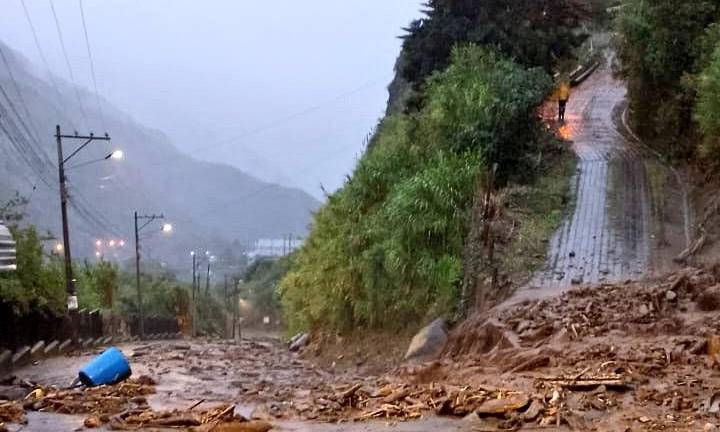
pixel 533 33
pixel 39 281
pixel 260 288
pixel 668 53
pixel 536 211
pixel 387 248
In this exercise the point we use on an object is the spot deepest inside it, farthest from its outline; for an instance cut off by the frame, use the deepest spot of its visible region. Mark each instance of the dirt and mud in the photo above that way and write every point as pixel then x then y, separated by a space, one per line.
pixel 610 357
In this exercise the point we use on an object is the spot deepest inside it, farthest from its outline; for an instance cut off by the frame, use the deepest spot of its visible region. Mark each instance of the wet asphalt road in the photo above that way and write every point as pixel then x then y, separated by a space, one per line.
pixel 606 238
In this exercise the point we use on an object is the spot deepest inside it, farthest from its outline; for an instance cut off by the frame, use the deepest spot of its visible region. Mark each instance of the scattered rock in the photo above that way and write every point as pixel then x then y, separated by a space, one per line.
pixel 300 342
pixel 92 422
pixel 709 300
pixel 429 342
pixel 670 296
pixel 501 406
pixel 12 393
pixel 713 345
pixel 236 426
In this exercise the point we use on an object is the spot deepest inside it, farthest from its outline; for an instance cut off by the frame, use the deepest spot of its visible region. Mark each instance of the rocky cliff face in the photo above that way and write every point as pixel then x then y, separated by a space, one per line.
pixel 212 206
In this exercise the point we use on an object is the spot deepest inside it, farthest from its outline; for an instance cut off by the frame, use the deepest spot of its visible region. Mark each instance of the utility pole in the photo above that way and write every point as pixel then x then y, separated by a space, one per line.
pixel 165 228
pixel 225 290
pixel 72 301
pixel 207 280
pixel 194 304
pixel 225 301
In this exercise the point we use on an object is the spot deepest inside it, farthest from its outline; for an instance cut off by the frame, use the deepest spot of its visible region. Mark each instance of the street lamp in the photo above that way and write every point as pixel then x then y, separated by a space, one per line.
pixel 72 302
pixel 166 228
pixel 117 155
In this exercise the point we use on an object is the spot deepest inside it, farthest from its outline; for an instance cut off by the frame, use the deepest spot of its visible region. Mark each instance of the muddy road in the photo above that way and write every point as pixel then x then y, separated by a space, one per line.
pixel 621 194
pixel 259 376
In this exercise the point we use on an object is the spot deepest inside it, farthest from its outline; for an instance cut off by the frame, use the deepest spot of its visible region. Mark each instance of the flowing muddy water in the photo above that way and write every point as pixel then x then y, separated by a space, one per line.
pixel 258 375
pixel 608 235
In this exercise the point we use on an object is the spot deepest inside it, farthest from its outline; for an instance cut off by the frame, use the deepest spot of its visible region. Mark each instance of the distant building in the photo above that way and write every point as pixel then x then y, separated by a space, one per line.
pixel 7 250
pixel 273 248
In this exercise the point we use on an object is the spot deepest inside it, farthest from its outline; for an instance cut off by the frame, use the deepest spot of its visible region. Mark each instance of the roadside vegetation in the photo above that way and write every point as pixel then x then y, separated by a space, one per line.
pixel 38 285
pixel 387 250
pixel 670 56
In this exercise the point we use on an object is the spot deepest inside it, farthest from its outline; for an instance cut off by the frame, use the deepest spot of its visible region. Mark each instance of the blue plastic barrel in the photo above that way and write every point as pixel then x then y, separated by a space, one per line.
pixel 110 367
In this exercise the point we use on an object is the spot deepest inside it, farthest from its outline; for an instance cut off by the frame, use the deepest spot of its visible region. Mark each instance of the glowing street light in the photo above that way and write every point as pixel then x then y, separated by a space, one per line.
pixel 111 243
pixel 122 243
pixel 117 155
pixel 165 228
pixel 59 247
pixel 99 243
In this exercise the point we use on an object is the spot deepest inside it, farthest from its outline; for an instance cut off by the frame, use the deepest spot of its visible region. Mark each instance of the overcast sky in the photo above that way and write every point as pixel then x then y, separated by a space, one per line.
pixel 285 90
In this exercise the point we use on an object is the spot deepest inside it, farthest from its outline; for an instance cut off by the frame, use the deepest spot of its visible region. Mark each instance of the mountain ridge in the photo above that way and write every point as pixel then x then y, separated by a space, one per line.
pixel 212 205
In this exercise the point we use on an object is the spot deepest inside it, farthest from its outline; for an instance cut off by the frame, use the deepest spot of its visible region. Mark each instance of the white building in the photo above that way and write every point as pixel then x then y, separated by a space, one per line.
pixel 268 248
pixel 7 250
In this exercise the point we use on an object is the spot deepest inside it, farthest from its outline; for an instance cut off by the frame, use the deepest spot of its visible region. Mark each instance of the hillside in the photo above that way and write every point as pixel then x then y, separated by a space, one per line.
pixel 212 206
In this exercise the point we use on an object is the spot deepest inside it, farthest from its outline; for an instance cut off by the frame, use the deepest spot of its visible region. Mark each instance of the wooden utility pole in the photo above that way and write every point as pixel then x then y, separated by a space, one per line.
pixel 194 303
pixel 149 219
pixel 72 301
pixel 207 279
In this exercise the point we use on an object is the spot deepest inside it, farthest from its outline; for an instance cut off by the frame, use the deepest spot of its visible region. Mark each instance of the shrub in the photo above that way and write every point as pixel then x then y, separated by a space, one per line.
pixel 386 249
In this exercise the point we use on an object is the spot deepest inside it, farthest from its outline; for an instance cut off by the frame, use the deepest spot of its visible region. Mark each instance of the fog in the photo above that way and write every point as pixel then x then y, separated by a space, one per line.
pixel 284 90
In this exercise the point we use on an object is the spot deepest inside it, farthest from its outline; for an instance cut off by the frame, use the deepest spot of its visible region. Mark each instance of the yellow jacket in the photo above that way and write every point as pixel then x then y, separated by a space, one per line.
pixel 563 92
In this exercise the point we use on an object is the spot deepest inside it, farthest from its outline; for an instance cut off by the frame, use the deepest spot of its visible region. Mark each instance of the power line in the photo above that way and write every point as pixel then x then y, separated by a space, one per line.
pixel 67 62
pixel 23 155
pixel 17 115
pixel 27 152
pixel 19 93
pixel 89 216
pixel 92 64
pixel 225 141
pixel 51 77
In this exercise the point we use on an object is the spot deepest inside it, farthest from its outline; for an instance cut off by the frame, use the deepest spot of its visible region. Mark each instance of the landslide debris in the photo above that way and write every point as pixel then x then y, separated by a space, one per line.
pixel 123 406
pixel 628 356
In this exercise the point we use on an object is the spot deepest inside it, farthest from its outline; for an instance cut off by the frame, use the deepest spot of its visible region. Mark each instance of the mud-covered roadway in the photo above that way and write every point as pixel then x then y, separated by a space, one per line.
pixel 258 375
pixel 641 356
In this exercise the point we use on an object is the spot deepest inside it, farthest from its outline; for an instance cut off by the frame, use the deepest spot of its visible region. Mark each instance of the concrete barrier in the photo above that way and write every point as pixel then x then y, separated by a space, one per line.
pixel 21 356
pixel 36 352
pixel 65 346
pixel 51 349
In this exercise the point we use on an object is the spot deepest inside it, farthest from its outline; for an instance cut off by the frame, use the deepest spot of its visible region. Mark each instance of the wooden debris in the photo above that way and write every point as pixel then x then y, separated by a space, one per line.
pixel 592 381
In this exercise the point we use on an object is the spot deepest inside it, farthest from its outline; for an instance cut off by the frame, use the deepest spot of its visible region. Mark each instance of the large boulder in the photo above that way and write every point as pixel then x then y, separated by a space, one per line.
pixel 299 341
pixel 429 342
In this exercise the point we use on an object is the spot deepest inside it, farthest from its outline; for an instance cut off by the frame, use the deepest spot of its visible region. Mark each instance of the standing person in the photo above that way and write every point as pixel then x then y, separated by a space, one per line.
pixel 563 97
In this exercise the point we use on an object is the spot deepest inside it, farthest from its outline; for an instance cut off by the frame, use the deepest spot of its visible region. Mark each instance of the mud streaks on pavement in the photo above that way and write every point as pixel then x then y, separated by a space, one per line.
pixel 606 237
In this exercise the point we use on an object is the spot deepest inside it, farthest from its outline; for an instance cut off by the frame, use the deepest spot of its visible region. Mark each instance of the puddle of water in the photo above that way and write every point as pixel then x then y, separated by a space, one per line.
pixel 49 422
